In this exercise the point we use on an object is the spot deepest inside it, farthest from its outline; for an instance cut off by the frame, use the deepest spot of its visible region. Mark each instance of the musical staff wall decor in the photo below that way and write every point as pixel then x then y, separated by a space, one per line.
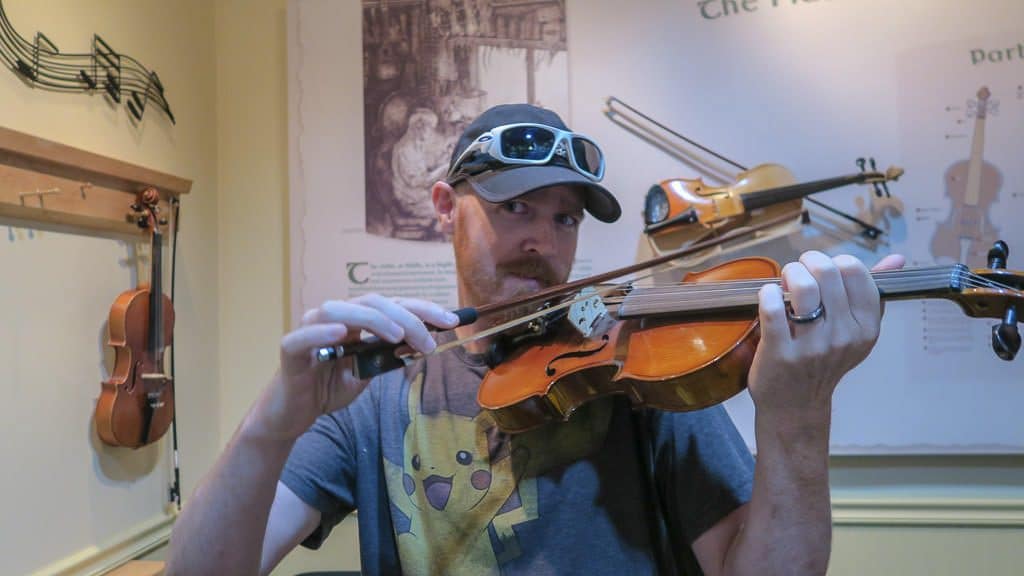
pixel 40 63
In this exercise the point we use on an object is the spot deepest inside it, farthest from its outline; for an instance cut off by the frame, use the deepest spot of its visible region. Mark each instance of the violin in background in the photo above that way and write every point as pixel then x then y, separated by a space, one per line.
pixel 136 404
pixel 682 211
pixel 701 210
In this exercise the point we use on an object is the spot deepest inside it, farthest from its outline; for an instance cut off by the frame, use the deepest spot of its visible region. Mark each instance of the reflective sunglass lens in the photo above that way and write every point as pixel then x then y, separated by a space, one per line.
pixel 527 143
pixel 587 154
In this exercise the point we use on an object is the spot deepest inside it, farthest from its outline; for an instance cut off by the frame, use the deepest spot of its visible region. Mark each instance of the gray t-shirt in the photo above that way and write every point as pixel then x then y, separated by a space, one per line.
pixel 440 490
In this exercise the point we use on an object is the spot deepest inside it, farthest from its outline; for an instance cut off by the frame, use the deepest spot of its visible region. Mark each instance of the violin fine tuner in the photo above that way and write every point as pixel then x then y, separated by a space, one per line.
pixel 585 314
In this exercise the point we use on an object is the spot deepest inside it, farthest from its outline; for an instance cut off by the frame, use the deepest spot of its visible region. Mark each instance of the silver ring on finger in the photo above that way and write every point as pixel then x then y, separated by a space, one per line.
pixel 809 317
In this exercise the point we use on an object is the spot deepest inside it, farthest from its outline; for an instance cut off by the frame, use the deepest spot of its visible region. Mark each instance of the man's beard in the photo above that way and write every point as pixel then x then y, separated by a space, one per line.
pixel 483 286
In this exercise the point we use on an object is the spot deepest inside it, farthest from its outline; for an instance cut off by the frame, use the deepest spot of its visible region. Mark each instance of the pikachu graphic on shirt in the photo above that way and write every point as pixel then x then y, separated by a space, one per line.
pixel 460 478
pixel 455 480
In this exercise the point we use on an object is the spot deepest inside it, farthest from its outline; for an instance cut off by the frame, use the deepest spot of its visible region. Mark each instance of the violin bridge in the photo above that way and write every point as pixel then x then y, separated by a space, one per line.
pixel 585 314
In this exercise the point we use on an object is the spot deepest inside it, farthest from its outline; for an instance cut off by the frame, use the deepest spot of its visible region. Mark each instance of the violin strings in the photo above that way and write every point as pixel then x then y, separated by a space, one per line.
pixel 739 293
pixel 968 278
pixel 733 293
pixel 728 296
pixel 752 286
pixel 936 272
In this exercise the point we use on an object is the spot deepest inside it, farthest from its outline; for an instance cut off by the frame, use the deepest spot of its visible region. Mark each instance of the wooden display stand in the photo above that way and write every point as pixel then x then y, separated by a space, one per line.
pixel 48 185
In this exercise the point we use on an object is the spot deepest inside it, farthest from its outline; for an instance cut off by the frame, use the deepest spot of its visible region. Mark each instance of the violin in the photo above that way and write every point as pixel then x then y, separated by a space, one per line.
pixel 136 404
pixel 679 347
pixel 682 210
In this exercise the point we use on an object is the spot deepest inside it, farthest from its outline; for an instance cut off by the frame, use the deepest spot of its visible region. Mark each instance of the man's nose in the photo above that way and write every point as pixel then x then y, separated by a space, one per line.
pixel 541 238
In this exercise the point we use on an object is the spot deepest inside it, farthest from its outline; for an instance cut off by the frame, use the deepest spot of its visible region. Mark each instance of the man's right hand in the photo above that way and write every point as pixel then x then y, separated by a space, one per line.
pixel 304 388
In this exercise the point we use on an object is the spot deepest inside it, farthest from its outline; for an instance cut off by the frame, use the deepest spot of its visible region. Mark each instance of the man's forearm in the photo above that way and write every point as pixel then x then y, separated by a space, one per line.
pixel 221 528
pixel 789 525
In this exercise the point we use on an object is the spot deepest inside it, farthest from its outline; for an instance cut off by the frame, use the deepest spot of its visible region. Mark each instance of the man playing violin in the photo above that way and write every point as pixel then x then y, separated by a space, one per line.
pixel 615 490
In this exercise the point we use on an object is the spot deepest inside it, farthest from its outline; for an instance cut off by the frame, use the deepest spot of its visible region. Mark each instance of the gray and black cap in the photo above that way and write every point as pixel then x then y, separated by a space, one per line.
pixel 510 182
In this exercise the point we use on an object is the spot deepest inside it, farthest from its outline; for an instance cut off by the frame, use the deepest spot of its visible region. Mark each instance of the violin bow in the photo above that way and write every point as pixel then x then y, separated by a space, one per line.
pixel 374 355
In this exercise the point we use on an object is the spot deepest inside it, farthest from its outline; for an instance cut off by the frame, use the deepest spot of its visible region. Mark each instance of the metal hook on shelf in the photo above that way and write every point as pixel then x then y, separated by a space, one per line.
pixel 39 194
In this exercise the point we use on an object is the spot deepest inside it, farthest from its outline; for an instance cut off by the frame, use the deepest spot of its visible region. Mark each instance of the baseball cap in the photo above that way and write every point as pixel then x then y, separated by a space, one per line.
pixel 514 181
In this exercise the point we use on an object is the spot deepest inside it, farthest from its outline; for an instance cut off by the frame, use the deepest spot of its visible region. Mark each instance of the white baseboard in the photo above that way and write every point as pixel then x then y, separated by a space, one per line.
pixel 943 512
pixel 864 512
pixel 96 560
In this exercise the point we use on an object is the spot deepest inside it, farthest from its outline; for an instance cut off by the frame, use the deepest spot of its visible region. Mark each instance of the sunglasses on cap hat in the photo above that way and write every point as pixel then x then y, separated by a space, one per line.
pixel 529 144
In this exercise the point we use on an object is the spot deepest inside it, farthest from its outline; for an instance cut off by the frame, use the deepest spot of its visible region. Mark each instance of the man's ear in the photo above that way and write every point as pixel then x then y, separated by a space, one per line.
pixel 443 196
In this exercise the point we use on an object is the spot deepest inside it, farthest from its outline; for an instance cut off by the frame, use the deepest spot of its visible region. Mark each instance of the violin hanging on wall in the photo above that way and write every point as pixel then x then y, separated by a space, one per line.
pixel 136 404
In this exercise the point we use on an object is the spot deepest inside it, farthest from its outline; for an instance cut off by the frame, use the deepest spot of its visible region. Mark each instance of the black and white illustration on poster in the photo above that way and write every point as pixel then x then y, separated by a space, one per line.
pixel 430 67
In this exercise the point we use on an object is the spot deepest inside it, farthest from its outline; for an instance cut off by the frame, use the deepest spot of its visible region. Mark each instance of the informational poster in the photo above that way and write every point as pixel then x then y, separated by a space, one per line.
pixel 426 70
pixel 967 124
pixel 379 91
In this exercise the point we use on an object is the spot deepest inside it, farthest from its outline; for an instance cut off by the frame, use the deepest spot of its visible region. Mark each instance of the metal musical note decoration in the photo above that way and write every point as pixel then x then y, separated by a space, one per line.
pixel 41 64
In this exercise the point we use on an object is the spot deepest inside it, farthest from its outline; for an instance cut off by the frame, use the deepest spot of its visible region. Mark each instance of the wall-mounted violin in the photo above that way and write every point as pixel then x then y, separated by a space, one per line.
pixel 136 404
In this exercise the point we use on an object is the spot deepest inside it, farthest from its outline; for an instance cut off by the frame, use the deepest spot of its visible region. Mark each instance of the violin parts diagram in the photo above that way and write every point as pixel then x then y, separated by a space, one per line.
pixel 965 123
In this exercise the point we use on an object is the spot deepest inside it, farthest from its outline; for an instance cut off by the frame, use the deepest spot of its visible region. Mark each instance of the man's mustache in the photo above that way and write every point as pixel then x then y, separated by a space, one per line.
pixel 532 267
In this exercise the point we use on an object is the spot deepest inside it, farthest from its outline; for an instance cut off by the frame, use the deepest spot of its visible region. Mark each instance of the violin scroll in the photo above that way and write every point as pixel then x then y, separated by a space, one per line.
pixel 892 174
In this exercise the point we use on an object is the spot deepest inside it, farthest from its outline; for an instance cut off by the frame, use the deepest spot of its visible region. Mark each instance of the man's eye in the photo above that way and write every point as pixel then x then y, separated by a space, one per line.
pixel 568 220
pixel 515 206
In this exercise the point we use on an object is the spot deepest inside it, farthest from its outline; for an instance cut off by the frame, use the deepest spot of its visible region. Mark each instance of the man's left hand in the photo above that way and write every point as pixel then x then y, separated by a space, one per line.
pixel 798 364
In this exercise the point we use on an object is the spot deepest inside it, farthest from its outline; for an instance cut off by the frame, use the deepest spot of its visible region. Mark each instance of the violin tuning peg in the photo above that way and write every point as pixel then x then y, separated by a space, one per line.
pixel 1006 336
pixel 136 208
pixel 163 221
pixel 998 255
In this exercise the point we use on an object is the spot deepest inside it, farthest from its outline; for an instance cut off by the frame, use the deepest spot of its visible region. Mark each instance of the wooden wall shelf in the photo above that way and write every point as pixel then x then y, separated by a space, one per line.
pixel 51 186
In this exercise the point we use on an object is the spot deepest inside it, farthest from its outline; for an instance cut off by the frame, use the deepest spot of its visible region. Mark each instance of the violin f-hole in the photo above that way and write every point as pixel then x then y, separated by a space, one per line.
pixel 551 370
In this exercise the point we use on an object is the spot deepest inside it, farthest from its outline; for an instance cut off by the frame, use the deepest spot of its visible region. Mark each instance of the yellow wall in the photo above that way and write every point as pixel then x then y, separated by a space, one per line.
pixel 61 491
pixel 252 148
